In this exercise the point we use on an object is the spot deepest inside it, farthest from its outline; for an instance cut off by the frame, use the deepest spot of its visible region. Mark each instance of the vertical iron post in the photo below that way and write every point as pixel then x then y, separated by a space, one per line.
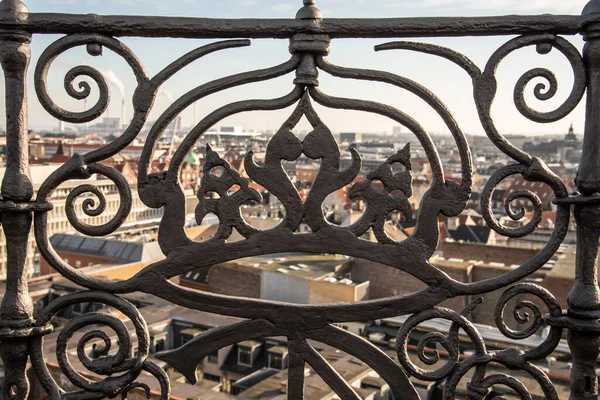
pixel 16 309
pixel 584 298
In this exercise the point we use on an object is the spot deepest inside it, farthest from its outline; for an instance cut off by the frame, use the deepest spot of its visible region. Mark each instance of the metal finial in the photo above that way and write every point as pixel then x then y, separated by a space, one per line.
pixel 13 6
pixel 592 7
pixel 309 11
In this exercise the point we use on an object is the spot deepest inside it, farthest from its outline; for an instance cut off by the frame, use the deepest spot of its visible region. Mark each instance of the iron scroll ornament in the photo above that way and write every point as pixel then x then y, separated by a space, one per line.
pixel 119 370
pixel 301 322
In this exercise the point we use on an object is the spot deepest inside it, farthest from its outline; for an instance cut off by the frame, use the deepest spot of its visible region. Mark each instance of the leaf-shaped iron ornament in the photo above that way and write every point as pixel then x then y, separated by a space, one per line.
pixel 284 145
pixel 318 144
pixel 227 206
pixel 380 201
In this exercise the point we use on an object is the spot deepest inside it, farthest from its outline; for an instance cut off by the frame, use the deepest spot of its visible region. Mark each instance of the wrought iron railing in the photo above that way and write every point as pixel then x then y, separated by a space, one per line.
pixel 310 37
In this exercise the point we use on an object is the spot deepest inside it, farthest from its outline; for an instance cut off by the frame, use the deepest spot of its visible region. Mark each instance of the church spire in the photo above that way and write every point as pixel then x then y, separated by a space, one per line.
pixel 571 137
pixel 60 151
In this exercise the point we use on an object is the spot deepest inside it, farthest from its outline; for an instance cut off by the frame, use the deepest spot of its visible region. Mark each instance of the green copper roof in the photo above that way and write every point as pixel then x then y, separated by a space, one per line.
pixel 192 158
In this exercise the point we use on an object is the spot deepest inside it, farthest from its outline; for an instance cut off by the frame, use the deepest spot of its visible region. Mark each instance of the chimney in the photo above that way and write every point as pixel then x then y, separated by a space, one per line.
pixel 123 124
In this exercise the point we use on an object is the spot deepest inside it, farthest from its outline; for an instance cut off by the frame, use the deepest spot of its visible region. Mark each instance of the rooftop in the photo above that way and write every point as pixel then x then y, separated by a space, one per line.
pixel 119 251
pixel 308 266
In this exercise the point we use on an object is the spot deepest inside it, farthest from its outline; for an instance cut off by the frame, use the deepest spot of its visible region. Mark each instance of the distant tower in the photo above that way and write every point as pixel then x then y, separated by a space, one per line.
pixel 571 137
pixel 59 150
pixel 61 127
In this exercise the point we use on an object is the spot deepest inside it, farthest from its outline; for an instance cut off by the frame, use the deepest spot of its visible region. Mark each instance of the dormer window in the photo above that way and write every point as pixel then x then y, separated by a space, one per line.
pixel 277 357
pixel 248 352
pixel 158 342
pixel 213 357
pixel 189 334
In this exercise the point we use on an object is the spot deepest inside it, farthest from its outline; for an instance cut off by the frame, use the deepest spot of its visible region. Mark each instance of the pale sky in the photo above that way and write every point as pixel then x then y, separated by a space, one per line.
pixel 449 82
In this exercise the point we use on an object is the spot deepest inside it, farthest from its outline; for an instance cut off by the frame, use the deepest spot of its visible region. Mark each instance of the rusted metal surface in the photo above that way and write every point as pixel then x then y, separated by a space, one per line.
pixel 310 40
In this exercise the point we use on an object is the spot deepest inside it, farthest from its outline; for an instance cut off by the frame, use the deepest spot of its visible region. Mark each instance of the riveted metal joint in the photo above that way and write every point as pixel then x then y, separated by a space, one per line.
pixel 309 47
pixel 25 207
pixel 8 333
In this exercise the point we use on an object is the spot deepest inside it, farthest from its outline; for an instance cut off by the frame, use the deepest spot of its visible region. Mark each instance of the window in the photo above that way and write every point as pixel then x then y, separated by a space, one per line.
pixel 277 361
pixel 245 356
pixel 159 345
pixel 213 357
pixel 185 339
pixel 188 334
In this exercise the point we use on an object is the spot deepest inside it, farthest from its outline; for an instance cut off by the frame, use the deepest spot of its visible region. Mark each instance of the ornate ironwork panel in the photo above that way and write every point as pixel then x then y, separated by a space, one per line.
pixel 310 36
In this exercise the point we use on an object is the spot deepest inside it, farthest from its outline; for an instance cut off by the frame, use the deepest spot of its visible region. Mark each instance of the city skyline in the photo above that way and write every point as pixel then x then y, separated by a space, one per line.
pixel 453 86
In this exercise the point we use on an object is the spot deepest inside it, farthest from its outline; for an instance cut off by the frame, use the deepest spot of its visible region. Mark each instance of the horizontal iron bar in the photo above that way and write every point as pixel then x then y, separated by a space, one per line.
pixel 592 199
pixel 204 28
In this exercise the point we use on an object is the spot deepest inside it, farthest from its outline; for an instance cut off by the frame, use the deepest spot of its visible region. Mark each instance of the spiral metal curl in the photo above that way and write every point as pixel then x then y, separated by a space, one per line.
pixel 450 343
pixel 524 311
pixel 76 168
pixel 486 87
pixel 519 213
pixel 120 369
pixel 104 364
pixel 100 362
pixel 94 44
pixel 528 312
pixel 544 91
pixel 95 208
pixel 84 87
pixel 89 205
